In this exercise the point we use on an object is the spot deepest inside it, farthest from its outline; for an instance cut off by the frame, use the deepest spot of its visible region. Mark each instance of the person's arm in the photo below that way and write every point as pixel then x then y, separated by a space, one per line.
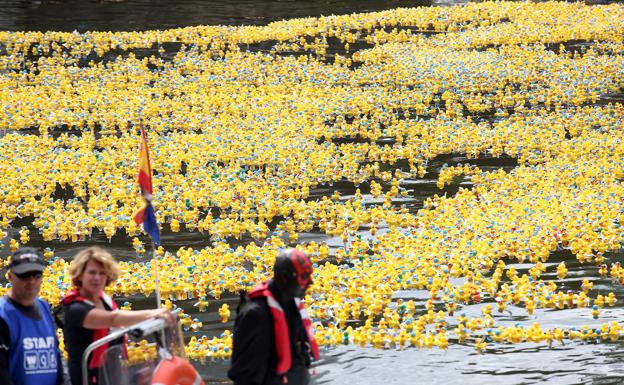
pixel 100 319
pixel 251 344
pixel 5 345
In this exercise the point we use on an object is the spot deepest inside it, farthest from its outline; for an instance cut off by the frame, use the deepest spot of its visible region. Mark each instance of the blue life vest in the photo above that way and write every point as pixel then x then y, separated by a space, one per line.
pixel 33 356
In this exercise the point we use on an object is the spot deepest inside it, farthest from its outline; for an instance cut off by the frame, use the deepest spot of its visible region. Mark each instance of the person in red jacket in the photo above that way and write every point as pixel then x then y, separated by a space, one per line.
pixel 89 313
pixel 272 342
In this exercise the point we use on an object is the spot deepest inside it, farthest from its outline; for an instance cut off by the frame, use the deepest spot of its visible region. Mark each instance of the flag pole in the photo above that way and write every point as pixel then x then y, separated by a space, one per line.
pixel 154 259
pixel 146 216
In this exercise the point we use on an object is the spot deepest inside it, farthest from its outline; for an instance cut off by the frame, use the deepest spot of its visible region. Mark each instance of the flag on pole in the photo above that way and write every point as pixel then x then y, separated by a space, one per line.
pixel 145 168
pixel 146 214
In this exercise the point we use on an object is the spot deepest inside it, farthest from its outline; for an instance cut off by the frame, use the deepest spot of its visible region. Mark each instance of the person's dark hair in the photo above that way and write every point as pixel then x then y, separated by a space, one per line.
pixel 283 266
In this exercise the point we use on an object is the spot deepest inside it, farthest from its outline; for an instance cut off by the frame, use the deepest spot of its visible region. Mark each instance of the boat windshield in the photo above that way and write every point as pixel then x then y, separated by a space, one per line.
pixel 134 363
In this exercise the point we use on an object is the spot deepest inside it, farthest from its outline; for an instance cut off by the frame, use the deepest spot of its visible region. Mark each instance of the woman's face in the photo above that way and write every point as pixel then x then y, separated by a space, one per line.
pixel 93 278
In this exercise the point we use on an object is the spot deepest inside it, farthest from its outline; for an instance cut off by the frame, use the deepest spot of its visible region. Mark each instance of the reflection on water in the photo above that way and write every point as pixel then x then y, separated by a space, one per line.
pixel 507 366
pixel 136 15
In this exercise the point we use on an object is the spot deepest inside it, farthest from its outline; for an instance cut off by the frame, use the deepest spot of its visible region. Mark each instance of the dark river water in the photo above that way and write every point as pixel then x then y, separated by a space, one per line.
pixel 136 15
pixel 525 363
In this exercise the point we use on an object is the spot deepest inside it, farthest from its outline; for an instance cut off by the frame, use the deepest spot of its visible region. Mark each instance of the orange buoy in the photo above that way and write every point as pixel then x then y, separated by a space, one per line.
pixel 176 371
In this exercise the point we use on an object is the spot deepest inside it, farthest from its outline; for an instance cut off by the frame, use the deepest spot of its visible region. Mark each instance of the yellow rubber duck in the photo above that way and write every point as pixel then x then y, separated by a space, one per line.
pixel 224 313
pixel 595 311
pixel 24 235
pixel 202 304
pixel 480 345
pixel 13 245
pixel 603 271
pixel 562 271
pixel 48 253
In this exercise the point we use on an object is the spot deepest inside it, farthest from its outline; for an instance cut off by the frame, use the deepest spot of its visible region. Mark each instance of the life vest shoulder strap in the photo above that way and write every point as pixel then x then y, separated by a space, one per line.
pixel 108 301
pixel 307 323
pixel 280 327
pixel 74 296
pixel 259 291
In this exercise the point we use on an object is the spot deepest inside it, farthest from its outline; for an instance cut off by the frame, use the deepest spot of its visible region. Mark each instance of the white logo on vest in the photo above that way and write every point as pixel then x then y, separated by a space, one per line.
pixel 39 355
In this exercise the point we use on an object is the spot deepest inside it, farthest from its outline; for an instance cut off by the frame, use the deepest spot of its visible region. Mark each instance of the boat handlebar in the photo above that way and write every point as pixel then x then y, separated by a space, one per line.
pixel 139 330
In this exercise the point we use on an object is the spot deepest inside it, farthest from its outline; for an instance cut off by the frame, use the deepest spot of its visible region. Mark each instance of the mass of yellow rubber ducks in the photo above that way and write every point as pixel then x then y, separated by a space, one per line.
pixel 241 140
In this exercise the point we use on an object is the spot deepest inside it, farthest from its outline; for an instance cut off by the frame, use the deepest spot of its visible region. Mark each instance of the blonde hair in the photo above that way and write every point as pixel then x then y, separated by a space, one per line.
pixel 97 254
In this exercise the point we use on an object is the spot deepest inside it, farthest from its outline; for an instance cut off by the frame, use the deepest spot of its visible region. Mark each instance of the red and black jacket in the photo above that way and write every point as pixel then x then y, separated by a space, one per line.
pixel 280 327
pixel 97 358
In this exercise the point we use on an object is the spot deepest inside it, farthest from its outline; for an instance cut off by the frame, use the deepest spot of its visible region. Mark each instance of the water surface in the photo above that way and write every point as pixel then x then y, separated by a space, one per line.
pixel 138 15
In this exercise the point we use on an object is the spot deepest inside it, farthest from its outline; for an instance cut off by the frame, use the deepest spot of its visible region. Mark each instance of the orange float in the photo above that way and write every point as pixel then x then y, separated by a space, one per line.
pixel 176 371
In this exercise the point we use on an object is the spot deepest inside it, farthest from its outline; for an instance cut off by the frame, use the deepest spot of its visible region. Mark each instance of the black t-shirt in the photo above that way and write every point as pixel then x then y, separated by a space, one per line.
pixel 254 355
pixel 33 312
pixel 78 338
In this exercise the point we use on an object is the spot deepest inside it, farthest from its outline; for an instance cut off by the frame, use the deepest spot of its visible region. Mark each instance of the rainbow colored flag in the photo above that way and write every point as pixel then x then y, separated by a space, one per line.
pixel 146 214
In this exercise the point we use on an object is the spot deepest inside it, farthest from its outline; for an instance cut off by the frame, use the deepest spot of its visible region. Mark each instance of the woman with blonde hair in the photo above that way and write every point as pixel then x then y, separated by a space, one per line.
pixel 89 313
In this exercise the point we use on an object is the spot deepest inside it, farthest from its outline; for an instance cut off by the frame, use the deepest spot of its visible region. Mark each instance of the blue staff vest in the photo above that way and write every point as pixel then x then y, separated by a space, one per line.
pixel 33 354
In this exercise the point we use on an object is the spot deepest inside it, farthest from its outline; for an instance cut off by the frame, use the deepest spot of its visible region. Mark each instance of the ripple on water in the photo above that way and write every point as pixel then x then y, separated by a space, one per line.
pixel 517 364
